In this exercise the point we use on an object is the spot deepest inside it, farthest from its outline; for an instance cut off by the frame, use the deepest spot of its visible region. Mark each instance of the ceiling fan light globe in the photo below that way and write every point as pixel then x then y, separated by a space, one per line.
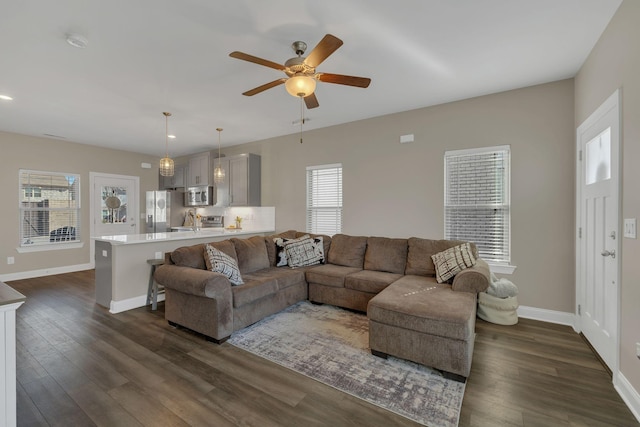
pixel 300 86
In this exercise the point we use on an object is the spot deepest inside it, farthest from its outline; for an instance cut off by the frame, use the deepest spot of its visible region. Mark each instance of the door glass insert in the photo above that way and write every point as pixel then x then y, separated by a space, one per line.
pixel 114 205
pixel 598 160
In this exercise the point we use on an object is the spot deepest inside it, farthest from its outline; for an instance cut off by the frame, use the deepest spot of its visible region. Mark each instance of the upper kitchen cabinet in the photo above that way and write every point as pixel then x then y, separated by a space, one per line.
pixel 241 186
pixel 199 170
pixel 175 182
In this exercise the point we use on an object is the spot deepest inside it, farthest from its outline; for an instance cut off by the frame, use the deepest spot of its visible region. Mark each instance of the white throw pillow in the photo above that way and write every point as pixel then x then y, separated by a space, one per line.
pixel 224 264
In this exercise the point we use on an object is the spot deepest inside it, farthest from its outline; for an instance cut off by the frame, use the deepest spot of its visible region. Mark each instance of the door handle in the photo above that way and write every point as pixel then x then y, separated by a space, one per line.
pixel 611 253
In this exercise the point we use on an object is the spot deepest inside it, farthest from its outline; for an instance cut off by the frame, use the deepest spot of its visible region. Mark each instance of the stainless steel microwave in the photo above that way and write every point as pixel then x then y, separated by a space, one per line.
pixel 198 196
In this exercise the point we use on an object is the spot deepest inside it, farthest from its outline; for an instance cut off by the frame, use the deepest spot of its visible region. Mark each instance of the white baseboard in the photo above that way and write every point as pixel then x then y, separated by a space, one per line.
pixel 130 303
pixel 629 394
pixel 544 315
pixel 45 272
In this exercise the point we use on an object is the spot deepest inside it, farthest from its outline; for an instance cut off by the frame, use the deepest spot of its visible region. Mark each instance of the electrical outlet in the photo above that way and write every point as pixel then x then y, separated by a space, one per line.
pixel 158 255
pixel 630 228
pixel 10 260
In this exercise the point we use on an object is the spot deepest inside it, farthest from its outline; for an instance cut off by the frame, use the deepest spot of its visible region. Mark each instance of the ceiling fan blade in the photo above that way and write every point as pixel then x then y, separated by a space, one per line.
pixel 264 87
pixel 326 47
pixel 344 80
pixel 256 60
pixel 311 101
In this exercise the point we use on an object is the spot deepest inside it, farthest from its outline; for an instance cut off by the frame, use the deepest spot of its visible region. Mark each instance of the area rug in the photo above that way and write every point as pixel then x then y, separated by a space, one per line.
pixel 331 345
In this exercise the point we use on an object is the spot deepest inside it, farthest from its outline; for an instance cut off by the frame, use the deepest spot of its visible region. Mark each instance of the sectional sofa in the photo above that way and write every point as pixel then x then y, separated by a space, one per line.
pixel 411 315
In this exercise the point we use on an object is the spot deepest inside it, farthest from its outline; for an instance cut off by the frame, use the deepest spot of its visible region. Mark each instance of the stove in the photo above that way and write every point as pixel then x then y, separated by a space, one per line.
pixel 213 221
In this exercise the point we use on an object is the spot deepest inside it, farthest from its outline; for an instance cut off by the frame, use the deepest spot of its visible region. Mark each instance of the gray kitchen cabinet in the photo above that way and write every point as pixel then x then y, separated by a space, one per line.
pixel 199 172
pixel 175 182
pixel 241 186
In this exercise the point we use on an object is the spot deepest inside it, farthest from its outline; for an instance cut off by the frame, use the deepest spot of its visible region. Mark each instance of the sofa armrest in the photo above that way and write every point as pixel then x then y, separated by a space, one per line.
pixel 194 281
pixel 475 279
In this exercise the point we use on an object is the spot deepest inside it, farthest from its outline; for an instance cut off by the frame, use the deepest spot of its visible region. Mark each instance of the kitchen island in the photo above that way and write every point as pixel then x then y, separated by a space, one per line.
pixel 122 271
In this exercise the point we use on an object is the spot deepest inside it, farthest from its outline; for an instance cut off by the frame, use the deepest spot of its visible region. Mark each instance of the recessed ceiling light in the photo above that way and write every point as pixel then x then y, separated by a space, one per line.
pixel 6 97
pixel 171 136
pixel 76 40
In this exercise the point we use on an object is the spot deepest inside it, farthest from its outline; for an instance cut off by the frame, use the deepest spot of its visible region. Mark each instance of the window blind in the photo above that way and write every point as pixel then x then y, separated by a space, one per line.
pixel 324 199
pixel 477 200
pixel 49 207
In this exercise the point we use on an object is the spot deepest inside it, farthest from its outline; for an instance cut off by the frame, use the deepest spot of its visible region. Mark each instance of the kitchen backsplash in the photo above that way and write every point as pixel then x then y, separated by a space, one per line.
pixel 253 218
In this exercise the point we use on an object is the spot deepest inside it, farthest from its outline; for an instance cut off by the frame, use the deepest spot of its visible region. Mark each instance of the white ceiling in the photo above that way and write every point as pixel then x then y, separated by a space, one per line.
pixel 148 56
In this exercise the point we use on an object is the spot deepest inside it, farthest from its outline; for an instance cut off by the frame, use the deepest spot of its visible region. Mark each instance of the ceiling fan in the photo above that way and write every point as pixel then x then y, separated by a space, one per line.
pixel 301 71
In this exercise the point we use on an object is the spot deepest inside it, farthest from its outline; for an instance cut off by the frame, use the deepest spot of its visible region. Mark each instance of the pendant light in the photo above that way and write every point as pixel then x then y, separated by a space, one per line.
pixel 218 172
pixel 166 163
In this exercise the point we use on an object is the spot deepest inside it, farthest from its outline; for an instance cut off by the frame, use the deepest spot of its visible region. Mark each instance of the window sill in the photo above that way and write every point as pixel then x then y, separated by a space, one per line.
pixel 53 247
pixel 502 268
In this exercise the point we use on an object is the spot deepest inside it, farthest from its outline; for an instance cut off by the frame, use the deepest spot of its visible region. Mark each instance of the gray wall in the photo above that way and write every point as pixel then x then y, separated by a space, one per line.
pixel 393 189
pixel 27 152
pixel 615 63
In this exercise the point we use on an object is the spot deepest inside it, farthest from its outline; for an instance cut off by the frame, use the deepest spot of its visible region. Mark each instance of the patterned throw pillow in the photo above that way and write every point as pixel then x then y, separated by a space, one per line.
pixel 316 256
pixel 452 261
pixel 281 254
pixel 304 251
pixel 223 263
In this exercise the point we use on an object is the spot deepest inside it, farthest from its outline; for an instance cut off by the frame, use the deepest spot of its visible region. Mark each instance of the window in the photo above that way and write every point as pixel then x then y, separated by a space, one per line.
pixel 477 200
pixel 49 208
pixel 324 199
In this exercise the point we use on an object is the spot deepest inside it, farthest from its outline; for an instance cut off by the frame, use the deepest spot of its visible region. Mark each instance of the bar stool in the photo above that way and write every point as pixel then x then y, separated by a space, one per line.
pixel 154 288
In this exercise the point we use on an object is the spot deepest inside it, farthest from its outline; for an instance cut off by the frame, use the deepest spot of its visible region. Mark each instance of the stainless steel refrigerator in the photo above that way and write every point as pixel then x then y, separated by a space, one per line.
pixel 158 211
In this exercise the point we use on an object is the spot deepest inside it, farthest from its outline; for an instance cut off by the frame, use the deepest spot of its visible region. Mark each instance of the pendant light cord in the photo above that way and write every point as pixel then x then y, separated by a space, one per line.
pixel 166 134
pixel 219 158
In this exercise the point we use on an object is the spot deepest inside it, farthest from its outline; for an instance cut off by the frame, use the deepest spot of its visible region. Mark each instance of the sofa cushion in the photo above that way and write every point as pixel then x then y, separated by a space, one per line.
pixel 452 261
pixel 347 251
pixel 419 260
pixel 257 285
pixel 385 254
pixel 271 246
pixel 189 256
pixel 330 274
pixel 370 281
pixel 222 263
pixel 252 254
pixel 286 277
pixel 420 304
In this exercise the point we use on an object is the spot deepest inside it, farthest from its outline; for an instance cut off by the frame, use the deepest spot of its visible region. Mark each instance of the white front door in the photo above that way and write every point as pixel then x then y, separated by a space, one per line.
pixel 598 240
pixel 114 205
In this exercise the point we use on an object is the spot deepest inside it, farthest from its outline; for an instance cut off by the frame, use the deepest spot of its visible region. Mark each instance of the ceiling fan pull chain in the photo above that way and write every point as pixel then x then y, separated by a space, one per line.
pixel 301 117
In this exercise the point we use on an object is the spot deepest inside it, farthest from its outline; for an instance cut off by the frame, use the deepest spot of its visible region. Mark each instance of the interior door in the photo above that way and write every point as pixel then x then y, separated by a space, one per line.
pixel 598 237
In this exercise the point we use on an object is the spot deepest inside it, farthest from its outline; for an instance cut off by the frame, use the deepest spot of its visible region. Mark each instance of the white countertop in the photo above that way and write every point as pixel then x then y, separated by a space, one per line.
pixel 129 239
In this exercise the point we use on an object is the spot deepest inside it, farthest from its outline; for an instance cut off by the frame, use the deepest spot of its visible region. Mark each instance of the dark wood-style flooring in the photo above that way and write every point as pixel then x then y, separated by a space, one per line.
pixel 78 365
